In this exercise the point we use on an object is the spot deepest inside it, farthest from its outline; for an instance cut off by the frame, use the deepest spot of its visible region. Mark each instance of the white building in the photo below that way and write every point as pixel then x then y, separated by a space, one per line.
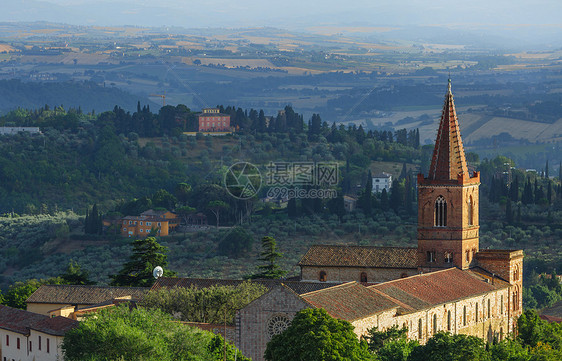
pixel 29 336
pixel 381 181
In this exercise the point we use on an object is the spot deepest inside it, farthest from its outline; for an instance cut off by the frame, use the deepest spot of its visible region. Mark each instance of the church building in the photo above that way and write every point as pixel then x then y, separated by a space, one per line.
pixel 446 283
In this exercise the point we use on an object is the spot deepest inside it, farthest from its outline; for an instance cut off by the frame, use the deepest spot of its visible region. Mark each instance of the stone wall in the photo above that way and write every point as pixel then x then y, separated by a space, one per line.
pixel 269 314
pixel 348 274
pixel 495 324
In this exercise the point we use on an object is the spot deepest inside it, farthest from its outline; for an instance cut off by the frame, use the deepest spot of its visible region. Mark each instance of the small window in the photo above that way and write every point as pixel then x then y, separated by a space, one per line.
pixel 420 329
pixel 149 223
pixel 430 256
pixel 141 230
pixel 323 277
pixel 7 340
pixel 130 222
pixel 363 277
pixel 440 212
pixel 448 257
pixel 470 212
pixel 489 309
pixel 30 347
pixel 39 344
pixel 18 343
pixel 158 224
pixel 435 323
pixel 48 346
pixel 140 223
pixel 476 314
pixel 448 320
pixel 464 316
pixel 468 255
pixel 125 229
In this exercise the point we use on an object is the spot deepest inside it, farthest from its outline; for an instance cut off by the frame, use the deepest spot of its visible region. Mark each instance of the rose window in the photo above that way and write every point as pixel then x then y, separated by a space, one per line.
pixel 276 325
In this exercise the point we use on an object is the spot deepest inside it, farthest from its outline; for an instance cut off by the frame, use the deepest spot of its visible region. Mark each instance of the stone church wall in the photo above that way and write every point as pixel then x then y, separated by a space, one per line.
pixel 267 315
pixel 347 274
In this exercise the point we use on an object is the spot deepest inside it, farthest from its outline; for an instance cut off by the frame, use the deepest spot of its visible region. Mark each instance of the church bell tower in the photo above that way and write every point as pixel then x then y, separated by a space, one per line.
pixel 448 200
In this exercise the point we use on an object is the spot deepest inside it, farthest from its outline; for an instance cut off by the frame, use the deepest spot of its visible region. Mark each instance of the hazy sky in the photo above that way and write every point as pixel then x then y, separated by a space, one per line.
pixel 267 12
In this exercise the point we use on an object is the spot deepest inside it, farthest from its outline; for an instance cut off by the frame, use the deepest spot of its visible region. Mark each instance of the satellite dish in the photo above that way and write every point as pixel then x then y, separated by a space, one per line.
pixel 157 272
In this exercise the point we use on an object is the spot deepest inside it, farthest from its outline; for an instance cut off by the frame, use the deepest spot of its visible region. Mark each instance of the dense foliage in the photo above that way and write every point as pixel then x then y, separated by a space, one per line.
pixel 137 272
pixel 316 336
pixel 215 304
pixel 135 334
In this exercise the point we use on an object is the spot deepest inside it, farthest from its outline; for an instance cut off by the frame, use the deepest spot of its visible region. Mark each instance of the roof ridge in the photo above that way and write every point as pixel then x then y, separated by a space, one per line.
pixel 358 246
pixel 399 303
pixel 416 275
pixel 329 288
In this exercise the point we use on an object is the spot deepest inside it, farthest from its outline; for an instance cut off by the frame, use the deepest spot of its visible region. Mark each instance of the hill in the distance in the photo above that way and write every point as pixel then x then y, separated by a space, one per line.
pixel 87 95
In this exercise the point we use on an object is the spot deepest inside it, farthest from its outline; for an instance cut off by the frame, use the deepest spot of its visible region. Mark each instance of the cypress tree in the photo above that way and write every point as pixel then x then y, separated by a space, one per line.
pixel 508 212
pixel 546 170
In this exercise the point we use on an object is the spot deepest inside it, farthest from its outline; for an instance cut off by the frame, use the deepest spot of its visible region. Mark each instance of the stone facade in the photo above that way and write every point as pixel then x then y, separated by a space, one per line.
pixel 264 317
pixel 358 274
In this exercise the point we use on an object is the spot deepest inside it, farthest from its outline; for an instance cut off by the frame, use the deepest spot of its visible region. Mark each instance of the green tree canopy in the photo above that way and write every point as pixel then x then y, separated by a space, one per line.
pixel 147 254
pixel 210 304
pixel 136 334
pixel 270 256
pixel 446 347
pixel 316 336
pixel 75 275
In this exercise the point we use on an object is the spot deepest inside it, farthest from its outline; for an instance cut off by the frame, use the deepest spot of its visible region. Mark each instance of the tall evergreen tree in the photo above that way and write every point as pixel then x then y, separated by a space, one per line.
pixel 367 197
pixel 270 256
pixel 137 272
pixel 508 212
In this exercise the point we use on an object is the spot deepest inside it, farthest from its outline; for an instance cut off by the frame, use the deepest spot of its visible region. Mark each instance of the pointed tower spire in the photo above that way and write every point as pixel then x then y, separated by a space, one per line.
pixel 448 161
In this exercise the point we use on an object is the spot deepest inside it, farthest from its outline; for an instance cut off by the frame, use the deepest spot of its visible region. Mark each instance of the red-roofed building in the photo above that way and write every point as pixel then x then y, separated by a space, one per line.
pixel 31 336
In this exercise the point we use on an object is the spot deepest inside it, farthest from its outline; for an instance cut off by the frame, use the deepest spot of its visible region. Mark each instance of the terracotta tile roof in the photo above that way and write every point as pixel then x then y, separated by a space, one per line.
pixel 21 321
pixel 438 287
pixel 350 301
pixel 56 326
pixel 85 295
pixel 360 256
pixel 296 286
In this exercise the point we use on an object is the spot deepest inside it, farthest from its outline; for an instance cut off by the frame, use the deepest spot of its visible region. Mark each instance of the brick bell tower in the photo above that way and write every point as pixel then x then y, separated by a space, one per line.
pixel 448 200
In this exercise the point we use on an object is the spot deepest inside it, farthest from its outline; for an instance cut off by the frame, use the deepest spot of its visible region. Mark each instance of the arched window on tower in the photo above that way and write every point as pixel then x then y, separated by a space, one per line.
pixel 363 277
pixel 322 277
pixel 440 212
pixel 470 211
